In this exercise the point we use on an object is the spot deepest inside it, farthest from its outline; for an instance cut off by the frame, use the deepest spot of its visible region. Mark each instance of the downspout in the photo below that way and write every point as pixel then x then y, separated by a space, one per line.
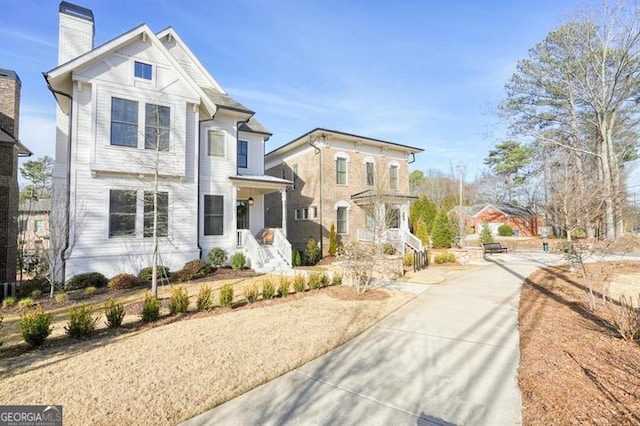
pixel 198 181
pixel 68 200
pixel 413 158
pixel 319 153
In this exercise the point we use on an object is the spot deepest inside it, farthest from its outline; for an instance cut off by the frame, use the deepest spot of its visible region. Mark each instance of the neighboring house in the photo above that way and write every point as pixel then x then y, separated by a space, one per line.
pixel 138 116
pixel 358 184
pixel 33 230
pixel 522 220
pixel 10 150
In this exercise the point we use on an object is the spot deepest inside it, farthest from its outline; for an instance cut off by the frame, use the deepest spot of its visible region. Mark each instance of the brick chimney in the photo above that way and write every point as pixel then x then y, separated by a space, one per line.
pixel 76 32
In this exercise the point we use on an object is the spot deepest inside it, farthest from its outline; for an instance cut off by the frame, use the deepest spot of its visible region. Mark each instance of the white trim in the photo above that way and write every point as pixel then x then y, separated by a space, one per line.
pixel 369 159
pixel 341 154
pixel 342 203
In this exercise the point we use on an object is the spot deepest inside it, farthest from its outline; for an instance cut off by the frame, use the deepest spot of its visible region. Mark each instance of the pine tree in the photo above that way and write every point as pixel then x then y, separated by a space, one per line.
pixel 486 237
pixel 333 241
pixel 442 231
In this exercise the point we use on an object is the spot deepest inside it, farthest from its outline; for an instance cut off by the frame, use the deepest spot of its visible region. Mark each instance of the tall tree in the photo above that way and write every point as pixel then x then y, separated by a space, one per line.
pixel 509 160
pixel 38 173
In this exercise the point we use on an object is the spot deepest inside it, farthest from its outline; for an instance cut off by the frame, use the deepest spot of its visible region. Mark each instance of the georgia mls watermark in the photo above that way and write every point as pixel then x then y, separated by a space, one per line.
pixel 30 415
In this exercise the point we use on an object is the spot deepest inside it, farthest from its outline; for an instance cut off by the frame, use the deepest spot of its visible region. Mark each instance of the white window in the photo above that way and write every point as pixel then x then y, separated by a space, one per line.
pixel 243 154
pixel 162 228
pixel 342 220
pixel 122 213
pixel 297 214
pixel 157 127
pixel 393 177
pixel 369 170
pixel 216 143
pixel 142 70
pixel 313 212
pixel 124 122
pixel 341 171
pixel 213 215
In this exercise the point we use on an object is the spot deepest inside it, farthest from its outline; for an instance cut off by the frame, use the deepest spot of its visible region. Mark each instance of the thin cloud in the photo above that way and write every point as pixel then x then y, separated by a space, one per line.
pixel 30 37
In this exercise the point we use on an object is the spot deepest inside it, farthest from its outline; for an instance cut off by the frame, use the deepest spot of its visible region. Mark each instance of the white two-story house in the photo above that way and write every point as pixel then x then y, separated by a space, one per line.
pixel 141 123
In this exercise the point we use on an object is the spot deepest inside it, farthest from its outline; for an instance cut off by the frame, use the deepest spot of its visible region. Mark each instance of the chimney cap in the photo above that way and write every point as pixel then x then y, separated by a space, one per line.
pixel 77 11
pixel 10 74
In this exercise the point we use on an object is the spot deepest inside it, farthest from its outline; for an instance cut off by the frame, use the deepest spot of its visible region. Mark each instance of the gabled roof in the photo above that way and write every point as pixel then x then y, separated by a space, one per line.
pixel 254 126
pixel 63 71
pixel 509 210
pixel 318 131
pixel 6 137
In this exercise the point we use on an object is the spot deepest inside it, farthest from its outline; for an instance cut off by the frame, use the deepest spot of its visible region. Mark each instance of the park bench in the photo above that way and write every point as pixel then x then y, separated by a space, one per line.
pixel 494 248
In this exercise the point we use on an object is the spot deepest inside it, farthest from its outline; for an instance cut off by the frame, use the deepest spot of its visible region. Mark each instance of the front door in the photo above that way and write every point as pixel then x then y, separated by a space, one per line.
pixel 242 208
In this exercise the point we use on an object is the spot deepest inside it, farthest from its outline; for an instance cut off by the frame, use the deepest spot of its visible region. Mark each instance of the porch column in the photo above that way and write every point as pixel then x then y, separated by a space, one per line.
pixel 404 216
pixel 283 195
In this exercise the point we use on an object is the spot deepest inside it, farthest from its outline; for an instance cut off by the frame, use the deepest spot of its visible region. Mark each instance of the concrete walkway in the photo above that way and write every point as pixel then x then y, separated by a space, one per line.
pixel 449 356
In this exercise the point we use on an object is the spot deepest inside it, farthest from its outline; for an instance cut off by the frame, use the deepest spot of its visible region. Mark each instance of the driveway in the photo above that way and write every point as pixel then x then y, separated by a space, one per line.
pixel 450 356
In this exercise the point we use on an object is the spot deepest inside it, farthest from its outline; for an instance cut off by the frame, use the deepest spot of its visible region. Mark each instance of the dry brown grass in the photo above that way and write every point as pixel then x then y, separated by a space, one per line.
pixel 170 373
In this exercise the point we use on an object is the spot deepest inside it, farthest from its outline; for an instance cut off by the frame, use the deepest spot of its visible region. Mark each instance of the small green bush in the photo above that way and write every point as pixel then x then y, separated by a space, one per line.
pixel 81 323
pixel 8 302
pixel 251 292
pixel 486 237
pixel 333 240
pixel 25 303
pixel 337 279
pixel 35 326
pixel 325 281
pixel 192 270
pixel 178 300
pixel 27 287
pixel 123 282
pixel 114 312
pixel 226 296
pixel 299 283
pixel 505 231
pixel 90 291
pixel 204 302
pixel 238 261
pixel 312 252
pixel 407 260
pixel 81 281
pixel 150 308
pixel 268 289
pixel 295 258
pixel 441 258
pixel 217 257
pixel 283 286
pixel 36 293
pixel 61 297
pixel 315 280
pixel 388 249
pixel 146 274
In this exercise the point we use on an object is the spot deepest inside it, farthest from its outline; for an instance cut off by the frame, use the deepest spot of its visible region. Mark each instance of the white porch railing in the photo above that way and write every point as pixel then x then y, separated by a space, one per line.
pixel 281 244
pixel 412 241
pixel 250 246
pixel 365 235
pixel 398 237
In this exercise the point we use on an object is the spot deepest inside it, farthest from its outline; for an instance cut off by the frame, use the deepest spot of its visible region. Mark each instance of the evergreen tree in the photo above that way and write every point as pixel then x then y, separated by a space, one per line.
pixel 442 231
pixel 333 241
pixel 423 210
pixel 486 237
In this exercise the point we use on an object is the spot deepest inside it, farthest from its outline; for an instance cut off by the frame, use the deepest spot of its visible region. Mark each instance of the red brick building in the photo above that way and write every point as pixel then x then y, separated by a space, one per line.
pixel 524 221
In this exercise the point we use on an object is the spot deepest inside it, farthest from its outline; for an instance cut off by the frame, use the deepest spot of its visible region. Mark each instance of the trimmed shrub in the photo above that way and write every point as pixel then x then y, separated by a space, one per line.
pixel 325 281
pixel 178 300
pixel 283 286
pixel 8 302
pixel 27 287
pixel 505 231
pixel 90 291
pixel 35 326
pixel 268 289
pixel 114 312
pixel 81 323
pixel 146 274
pixel 81 281
pixel 123 282
pixel 192 270
pixel 25 303
pixel 388 249
pixel 61 297
pixel 337 279
pixel 486 237
pixel 407 260
pixel 226 296
pixel 238 261
pixel 441 258
pixel 315 280
pixel 295 258
pixel 150 308
pixel 250 292
pixel 36 293
pixel 299 284
pixel 312 252
pixel 204 302
pixel 217 257
pixel 333 240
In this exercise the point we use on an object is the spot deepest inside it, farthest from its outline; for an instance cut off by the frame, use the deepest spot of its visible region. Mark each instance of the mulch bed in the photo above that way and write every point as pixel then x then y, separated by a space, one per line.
pixel 574 367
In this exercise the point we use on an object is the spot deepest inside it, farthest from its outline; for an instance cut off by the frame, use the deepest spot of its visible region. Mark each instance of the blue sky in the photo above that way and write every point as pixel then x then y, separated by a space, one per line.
pixel 422 73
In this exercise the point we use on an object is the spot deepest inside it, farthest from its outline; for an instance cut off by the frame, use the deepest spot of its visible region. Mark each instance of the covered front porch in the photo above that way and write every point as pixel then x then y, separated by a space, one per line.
pixel 249 221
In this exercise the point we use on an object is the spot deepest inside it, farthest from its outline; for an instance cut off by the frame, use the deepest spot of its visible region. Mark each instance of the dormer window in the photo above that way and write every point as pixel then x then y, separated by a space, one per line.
pixel 143 70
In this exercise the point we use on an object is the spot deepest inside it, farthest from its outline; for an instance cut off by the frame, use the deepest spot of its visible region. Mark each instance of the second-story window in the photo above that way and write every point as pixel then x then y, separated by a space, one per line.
pixel 142 70
pixel 157 127
pixel 393 177
pixel 216 143
pixel 341 171
pixel 296 179
pixel 124 122
pixel 243 154
pixel 369 171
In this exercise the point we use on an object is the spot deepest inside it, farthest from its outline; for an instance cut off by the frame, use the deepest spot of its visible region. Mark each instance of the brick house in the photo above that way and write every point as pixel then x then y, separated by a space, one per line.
pixel 10 150
pixel 353 182
pixel 523 220
pixel 33 230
